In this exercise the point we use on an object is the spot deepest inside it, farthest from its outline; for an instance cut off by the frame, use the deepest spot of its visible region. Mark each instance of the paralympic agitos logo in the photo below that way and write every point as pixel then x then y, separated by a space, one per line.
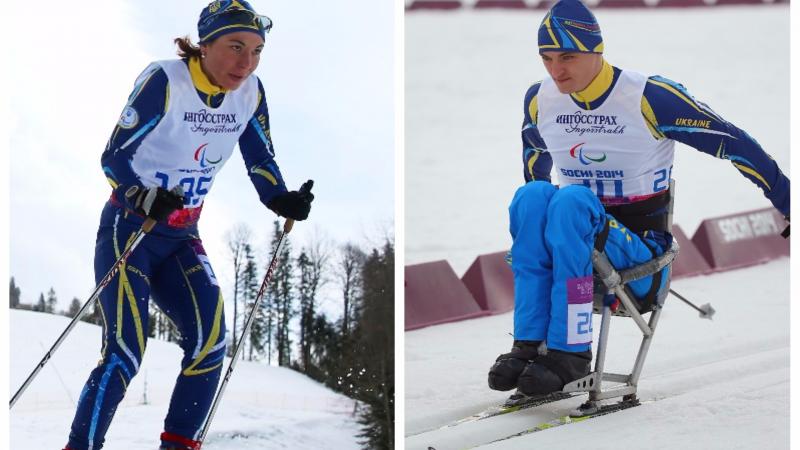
pixel 200 156
pixel 585 159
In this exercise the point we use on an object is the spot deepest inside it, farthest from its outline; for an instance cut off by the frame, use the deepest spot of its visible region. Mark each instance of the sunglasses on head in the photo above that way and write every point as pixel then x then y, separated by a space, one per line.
pixel 242 16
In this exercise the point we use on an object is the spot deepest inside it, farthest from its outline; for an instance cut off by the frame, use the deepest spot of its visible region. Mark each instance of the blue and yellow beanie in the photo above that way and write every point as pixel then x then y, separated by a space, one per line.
pixel 570 26
pixel 229 16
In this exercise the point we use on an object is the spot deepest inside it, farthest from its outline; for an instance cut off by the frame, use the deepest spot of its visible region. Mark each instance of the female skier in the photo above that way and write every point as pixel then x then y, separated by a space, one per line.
pixel 178 128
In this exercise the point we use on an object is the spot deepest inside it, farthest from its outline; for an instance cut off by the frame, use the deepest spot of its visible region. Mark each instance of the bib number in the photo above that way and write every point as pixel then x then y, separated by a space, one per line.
pixel 194 188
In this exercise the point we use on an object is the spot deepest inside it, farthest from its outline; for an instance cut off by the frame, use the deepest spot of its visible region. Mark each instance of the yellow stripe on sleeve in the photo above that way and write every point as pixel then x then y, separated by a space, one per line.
pixel 266 175
pixel 650 119
pixel 752 172
pixel 531 162
pixel 682 97
pixel 533 109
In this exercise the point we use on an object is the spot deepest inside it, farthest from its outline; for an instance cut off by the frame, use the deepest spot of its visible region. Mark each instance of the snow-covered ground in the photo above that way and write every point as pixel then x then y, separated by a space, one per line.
pixel 718 385
pixel 263 408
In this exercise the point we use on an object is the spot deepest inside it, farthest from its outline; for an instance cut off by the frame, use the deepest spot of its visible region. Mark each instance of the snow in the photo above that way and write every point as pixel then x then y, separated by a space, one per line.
pixel 717 384
pixel 263 407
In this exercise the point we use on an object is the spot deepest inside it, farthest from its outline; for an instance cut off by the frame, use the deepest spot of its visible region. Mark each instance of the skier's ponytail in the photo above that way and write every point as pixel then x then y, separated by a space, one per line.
pixel 186 49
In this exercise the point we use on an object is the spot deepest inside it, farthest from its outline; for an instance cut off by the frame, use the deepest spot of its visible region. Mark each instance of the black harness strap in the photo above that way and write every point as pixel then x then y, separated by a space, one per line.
pixel 647 215
pixel 601 238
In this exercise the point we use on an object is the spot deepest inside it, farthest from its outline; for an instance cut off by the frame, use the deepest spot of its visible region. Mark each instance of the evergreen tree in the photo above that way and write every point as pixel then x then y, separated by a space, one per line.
pixel 327 359
pixel 14 294
pixel 41 305
pixel 281 293
pixel 305 293
pixel 375 350
pixel 349 273
pixel 52 301
pixel 259 330
pixel 74 307
pixel 96 316
pixel 238 238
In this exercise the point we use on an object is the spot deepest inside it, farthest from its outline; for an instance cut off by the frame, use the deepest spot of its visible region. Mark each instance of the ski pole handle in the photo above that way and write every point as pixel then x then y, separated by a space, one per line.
pixel 305 188
pixel 148 224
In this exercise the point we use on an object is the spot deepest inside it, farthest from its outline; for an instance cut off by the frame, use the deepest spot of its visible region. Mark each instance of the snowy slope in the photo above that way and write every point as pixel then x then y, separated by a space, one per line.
pixel 263 408
pixel 717 385
pixel 720 384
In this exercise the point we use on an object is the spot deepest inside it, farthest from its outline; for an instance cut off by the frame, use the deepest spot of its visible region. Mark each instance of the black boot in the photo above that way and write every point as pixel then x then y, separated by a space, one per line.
pixel 549 373
pixel 507 368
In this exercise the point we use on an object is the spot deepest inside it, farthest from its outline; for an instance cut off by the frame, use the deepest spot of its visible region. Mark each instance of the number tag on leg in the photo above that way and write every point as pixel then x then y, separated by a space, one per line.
pixel 197 246
pixel 579 310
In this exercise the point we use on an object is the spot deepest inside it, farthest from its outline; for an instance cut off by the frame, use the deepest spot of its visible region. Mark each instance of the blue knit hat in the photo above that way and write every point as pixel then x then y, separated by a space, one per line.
pixel 570 26
pixel 229 16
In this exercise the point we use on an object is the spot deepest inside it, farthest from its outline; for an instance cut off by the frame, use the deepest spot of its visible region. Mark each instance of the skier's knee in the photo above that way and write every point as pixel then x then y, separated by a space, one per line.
pixel 208 359
pixel 118 365
pixel 573 198
pixel 538 192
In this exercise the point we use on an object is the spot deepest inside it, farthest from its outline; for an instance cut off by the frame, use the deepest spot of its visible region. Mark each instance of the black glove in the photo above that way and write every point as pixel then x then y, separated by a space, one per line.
pixel 294 204
pixel 156 203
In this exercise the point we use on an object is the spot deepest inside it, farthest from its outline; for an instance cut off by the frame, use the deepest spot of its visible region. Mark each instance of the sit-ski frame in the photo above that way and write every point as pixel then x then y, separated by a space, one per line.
pixel 615 282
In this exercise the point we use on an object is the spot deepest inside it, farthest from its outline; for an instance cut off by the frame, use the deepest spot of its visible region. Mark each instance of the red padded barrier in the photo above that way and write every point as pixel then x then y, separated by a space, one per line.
pixel 434 4
pixel 491 282
pixel 622 4
pixel 434 294
pixel 506 4
pixel 743 239
pixel 690 261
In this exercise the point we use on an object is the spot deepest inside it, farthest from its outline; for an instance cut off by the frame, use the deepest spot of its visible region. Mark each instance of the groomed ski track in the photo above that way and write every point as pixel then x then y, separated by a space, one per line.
pixel 720 384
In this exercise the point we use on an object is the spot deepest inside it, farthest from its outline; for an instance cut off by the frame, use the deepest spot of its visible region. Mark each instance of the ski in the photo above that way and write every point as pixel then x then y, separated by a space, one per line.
pixel 569 418
pixel 519 403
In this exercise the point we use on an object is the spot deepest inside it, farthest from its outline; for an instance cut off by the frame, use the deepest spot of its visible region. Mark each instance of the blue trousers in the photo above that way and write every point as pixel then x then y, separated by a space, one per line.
pixel 554 233
pixel 172 268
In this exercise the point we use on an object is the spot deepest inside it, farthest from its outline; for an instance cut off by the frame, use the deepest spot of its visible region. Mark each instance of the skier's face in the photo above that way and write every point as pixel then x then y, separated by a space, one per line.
pixel 572 72
pixel 231 58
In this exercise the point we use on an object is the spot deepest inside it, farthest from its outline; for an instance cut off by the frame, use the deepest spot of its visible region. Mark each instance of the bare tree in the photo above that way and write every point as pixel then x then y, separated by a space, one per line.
pixel 238 238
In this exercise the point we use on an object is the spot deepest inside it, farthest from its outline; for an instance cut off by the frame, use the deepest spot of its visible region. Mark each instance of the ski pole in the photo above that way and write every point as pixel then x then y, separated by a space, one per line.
pixel 706 311
pixel 146 227
pixel 287 227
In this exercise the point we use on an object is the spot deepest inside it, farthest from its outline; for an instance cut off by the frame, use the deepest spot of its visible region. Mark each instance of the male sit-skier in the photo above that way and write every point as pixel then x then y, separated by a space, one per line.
pixel 611 134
